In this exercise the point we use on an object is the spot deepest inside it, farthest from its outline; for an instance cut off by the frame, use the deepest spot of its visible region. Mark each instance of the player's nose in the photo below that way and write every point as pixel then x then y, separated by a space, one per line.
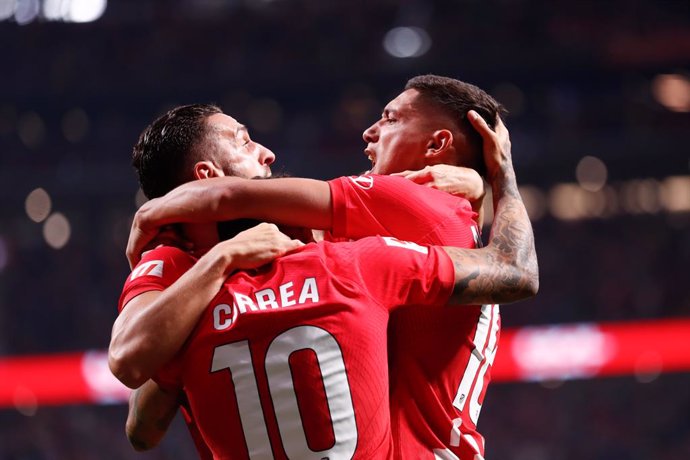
pixel 266 157
pixel 371 134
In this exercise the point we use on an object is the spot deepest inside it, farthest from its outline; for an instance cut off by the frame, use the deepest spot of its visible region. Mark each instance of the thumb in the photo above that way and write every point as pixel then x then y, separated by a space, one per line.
pixel 421 177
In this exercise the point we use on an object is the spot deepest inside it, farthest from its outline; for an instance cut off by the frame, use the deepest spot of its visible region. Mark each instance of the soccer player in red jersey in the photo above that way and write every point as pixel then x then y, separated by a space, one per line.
pixel 289 360
pixel 440 361
pixel 470 265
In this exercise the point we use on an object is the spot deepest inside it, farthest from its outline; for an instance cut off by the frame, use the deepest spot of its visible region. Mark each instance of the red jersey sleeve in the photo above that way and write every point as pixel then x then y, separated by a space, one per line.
pixel 394 206
pixel 158 269
pixel 395 272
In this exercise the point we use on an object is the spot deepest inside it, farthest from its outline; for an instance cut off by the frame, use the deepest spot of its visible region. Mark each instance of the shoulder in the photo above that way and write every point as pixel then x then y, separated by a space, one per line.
pixel 366 182
pixel 162 259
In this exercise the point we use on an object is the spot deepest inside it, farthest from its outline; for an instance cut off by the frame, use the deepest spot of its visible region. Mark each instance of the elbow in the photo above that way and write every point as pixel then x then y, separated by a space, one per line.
pixel 526 276
pixel 532 284
pixel 532 275
pixel 528 282
pixel 519 284
pixel 123 367
pixel 136 440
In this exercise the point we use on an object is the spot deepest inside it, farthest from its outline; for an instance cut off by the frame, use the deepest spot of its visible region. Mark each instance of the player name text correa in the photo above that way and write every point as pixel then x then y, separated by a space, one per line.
pixel 285 296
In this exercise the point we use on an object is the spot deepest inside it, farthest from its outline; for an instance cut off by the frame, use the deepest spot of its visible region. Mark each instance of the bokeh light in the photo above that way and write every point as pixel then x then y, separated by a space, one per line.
pixel 25 11
pixel 38 205
pixel 535 201
pixel 675 193
pixel 85 10
pixel 6 9
pixel 672 91
pixel 591 173
pixel 25 401
pixel 57 231
pixel 407 42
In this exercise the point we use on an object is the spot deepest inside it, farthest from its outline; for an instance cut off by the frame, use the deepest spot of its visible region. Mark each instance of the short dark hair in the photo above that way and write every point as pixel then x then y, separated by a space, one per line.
pixel 165 149
pixel 455 98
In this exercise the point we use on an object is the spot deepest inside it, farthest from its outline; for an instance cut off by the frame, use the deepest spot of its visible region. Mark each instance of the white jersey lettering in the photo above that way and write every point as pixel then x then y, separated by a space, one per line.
pixel 309 291
pixel 285 295
pixel 266 299
pixel 244 302
pixel 222 317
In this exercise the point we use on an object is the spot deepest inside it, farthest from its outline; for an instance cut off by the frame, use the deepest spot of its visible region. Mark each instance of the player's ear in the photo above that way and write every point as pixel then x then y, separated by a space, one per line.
pixel 205 169
pixel 440 143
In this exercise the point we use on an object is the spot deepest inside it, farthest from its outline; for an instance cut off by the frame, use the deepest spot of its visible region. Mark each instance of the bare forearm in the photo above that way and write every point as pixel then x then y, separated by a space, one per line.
pixel 148 335
pixel 506 270
pixel 289 201
pixel 154 325
pixel 150 412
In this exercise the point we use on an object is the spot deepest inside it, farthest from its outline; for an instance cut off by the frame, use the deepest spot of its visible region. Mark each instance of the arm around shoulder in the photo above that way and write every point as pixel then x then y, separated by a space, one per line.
pixel 506 270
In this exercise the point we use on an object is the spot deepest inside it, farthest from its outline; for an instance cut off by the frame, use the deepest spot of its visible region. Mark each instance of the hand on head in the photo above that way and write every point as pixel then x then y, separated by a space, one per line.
pixel 496 145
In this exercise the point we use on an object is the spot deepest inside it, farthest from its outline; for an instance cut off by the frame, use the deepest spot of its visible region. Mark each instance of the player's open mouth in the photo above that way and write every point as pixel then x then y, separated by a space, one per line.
pixel 370 155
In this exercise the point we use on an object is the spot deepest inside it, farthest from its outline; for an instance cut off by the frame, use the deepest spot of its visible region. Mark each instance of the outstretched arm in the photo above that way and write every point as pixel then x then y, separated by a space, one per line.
pixel 506 270
pixel 288 201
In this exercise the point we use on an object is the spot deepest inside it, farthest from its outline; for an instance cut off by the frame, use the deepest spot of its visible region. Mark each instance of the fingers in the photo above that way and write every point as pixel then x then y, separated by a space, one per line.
pixel 480 125
pixel 500 126
pixel 293 245
pixel 135 246
pixel 402 174
pixel 133 256
pixel 422 176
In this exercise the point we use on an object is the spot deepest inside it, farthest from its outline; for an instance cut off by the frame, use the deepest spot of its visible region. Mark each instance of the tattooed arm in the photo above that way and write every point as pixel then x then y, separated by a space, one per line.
pixel 151 409
pixel 506 269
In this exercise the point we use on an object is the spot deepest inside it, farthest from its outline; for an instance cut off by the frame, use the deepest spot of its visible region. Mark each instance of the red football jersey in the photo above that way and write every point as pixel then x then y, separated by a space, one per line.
pixel 289 361
pixel 440 360
pixel 148 275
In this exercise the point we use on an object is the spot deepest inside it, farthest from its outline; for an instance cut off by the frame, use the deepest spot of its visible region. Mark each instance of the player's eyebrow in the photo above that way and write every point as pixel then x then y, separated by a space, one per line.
pixel 389 112
pixel 241 129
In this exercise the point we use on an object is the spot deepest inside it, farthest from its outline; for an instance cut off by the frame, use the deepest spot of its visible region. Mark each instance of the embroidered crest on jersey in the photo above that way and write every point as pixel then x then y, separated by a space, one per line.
pixel 150 268
pixel 363 182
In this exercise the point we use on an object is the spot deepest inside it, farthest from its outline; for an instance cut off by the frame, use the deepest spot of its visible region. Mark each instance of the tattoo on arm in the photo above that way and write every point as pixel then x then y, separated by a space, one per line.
pixel 136 414
pixel 151 412
pixel 506 270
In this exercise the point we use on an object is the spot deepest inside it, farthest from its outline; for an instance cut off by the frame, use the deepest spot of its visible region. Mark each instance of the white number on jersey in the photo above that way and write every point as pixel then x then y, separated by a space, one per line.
pixel 481 359
pixel 237 358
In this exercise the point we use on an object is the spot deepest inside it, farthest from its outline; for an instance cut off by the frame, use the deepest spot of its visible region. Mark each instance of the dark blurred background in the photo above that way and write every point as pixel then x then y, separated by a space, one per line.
pixel 599 100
